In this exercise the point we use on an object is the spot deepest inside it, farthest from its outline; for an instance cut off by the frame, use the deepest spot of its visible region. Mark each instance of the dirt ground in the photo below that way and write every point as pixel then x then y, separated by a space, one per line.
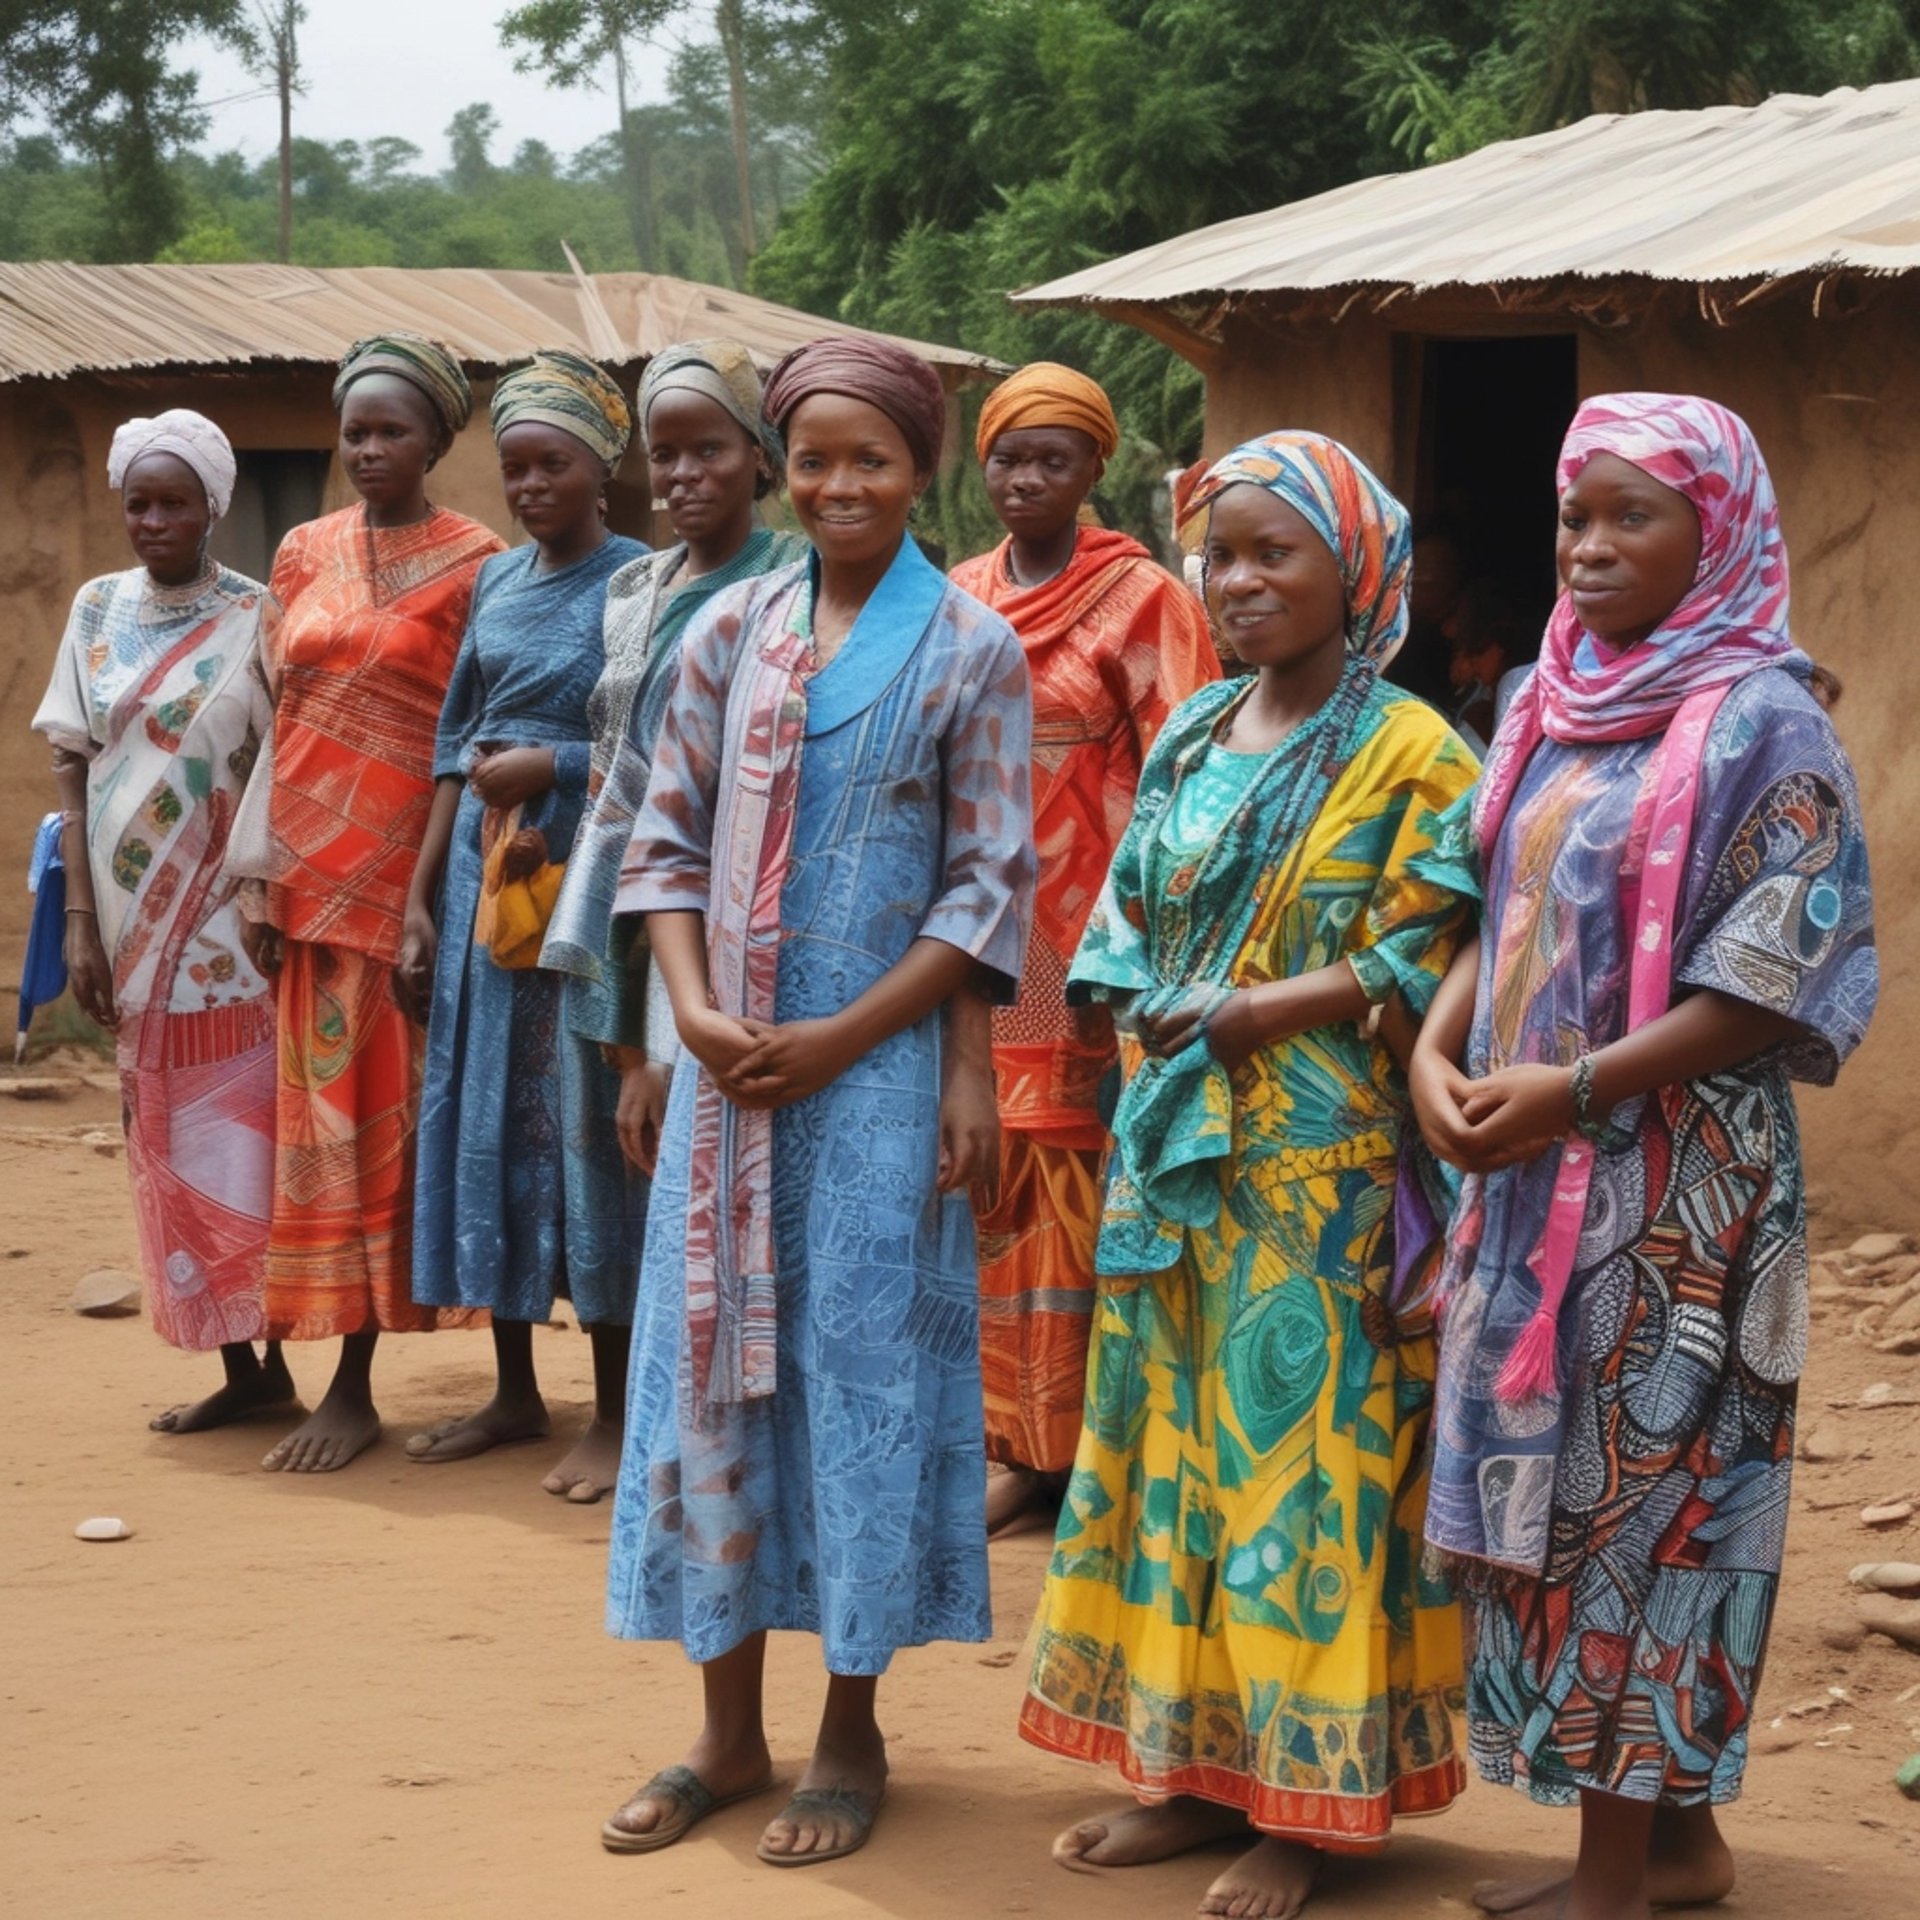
pixel 387 1691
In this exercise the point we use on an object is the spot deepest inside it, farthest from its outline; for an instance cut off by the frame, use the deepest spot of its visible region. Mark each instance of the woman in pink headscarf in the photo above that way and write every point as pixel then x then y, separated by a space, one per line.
pixel 1677 924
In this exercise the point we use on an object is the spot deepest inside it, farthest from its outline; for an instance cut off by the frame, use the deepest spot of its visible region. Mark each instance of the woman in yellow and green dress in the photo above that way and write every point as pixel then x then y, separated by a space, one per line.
pixel 1235 1614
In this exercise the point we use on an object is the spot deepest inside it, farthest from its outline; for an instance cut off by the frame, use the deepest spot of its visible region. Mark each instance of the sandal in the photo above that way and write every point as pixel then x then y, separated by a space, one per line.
pixel 840 1802
pixel 690 1799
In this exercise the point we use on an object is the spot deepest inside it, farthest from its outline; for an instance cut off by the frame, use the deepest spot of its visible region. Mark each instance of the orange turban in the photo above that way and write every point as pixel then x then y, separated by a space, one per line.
pixel 1047 394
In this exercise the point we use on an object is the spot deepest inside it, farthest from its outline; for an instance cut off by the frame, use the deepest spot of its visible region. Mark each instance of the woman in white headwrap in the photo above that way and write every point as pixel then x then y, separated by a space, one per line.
pixel 155 711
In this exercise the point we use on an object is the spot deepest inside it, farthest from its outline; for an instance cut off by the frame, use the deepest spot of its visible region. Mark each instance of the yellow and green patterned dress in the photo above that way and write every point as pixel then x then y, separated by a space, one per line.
pixel 1235 1607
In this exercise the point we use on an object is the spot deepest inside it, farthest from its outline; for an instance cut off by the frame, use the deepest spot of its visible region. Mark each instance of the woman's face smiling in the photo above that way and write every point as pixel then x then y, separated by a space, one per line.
pixel 703 464
pixel 167 517
pixel 389 437
pixel 1273 585
pixel 553 482
pixel 851 478
pixel 1628 549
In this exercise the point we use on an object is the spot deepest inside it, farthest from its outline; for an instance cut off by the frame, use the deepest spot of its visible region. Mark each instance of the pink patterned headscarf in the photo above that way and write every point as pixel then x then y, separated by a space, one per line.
pixel 1732 622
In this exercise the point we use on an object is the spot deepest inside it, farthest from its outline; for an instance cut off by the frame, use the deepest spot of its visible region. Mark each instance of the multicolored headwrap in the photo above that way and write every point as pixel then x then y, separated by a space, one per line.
pixel 1046 394
pixel 560 389
pixel 863 367
pixel 1732 622
pixel 421 362
pixel 718 370
pixel 188 436
pixel 1367 530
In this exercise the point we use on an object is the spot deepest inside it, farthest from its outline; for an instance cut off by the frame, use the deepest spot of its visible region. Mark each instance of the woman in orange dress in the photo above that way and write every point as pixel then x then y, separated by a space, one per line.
pixel 1114 642
pixel 375 600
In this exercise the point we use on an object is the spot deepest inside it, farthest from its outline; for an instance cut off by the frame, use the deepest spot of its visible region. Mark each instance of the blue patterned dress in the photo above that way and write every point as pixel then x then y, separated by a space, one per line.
pixel 1634 1523
pixel 490 1225
pixel 850 1502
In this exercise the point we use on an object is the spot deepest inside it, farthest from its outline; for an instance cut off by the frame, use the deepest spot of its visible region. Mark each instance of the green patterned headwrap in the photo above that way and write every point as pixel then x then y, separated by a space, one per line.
pixel 718 370
pixel 421 362
pixel 560 389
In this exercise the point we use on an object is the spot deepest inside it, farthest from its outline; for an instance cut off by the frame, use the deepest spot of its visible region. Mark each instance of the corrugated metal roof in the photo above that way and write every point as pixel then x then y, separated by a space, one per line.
pixel 1794 185
pixel 58 319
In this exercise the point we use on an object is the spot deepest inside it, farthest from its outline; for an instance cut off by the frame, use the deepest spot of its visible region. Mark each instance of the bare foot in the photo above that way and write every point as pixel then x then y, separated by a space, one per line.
pixel 1567 1902
pixel 1143 1834
pixel 1271 1882
pixel 1688 1865
pixel 498 1424
pixel 268 1387
pixel 591 1468
pixel 1021 1500
pixel 833 1807
pixel 338 1430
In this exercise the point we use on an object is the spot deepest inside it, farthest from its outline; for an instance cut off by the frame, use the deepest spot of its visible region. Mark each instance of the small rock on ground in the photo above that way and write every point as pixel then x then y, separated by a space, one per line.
pixel 107 1293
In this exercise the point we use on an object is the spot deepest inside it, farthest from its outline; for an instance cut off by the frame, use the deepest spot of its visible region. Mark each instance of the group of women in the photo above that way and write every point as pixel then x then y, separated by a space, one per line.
pixel 1389 1218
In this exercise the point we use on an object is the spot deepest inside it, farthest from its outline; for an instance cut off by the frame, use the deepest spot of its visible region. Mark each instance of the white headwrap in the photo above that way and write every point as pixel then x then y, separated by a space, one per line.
pixel 188 436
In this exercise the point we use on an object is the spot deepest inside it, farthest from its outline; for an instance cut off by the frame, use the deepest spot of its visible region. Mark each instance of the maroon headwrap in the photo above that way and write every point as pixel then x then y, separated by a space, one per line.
pixel 899 383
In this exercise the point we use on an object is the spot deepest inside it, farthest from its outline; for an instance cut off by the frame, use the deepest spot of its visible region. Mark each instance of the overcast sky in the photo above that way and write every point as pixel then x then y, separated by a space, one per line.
pixel 407 67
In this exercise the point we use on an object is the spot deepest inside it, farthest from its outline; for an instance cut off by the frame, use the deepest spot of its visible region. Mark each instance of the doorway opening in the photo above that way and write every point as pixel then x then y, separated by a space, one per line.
pixel 275 490
pixel 1491 416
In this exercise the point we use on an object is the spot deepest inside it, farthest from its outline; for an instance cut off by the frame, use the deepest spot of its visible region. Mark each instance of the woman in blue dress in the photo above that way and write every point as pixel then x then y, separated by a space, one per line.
pixel 491 1227
pixel 836 839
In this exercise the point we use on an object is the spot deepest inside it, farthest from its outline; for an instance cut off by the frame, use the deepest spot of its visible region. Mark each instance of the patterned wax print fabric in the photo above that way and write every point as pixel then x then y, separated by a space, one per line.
pixel 650 602
pixel 162 691
pixel 373 622
pixel 1113 643
pixel 491 1227
pixel 1636 1518
pixel 1235 1607
pixel 603 994
pixel 848 1501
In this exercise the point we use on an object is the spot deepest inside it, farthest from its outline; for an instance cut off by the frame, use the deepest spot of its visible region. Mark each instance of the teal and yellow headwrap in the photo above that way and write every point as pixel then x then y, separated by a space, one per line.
pixel 421 362
pixel 560 389
pixel 1339 496
pixel 718 370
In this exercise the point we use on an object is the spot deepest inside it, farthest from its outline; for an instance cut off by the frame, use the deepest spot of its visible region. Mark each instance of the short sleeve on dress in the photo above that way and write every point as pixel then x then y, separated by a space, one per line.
pixel 1780 903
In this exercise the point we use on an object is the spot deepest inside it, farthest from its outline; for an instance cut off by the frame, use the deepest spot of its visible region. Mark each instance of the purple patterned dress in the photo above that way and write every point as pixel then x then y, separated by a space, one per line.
pixel 1634 1522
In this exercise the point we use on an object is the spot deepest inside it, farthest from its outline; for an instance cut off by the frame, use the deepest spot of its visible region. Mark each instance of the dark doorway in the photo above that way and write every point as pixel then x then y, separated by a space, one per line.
pixel 277 488
pixel 1492 414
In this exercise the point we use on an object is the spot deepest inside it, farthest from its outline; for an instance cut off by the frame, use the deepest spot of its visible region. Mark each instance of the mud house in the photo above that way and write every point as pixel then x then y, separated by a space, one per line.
pixel 1446 323
pixel 83 348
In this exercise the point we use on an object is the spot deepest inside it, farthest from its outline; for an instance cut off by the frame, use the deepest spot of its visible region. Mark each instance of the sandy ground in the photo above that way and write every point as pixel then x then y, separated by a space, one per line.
pixel 387 1691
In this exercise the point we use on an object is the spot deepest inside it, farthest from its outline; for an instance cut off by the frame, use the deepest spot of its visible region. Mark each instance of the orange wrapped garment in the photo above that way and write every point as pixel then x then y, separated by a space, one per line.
pixel 1113 643
pixel 363 656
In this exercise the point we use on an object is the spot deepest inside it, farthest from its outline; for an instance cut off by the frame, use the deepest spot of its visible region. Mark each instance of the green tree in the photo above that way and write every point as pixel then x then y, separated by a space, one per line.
pixel 571 43
pixel 99 72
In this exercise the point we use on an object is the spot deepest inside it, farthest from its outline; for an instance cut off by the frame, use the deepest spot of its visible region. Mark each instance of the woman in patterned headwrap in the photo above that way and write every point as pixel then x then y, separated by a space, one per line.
pixel 1235 1613
pixel 492 1228
pixel 1678 924
pixel 710 457
pixel 375 597
pixel 835 840
pixel 1114 643
pixel 156 710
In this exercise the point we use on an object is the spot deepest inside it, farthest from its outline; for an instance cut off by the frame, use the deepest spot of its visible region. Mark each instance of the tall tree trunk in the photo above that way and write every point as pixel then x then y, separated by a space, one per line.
pixel 284 72
pixel 729 17
pixel 633 161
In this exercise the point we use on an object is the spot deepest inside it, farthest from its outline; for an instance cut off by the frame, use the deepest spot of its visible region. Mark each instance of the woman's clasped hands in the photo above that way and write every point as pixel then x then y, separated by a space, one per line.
pixel 1480 1126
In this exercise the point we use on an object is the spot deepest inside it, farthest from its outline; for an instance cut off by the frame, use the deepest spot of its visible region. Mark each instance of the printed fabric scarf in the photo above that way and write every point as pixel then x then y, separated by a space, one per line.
pixel 1732 622
pixel 1177 1111
pixel 775 701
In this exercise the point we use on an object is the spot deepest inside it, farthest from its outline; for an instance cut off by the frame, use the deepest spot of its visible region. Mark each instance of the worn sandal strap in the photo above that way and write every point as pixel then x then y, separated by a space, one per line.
pixel 857 1807
pixel 681 1788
